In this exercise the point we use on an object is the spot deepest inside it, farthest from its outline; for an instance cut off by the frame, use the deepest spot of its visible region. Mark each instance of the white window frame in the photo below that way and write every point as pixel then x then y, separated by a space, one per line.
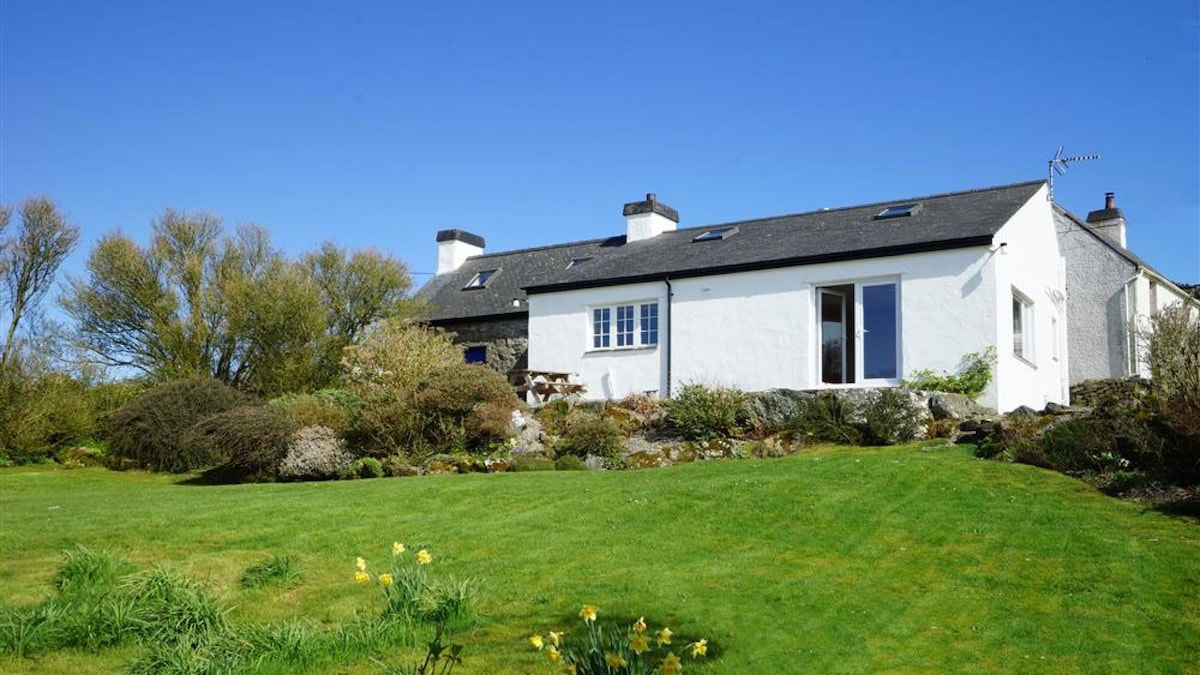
pixel 1023 336
pixel 621 314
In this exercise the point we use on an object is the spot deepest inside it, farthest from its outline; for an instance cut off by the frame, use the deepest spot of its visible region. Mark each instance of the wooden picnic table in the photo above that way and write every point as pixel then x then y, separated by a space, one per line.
pixel 544 384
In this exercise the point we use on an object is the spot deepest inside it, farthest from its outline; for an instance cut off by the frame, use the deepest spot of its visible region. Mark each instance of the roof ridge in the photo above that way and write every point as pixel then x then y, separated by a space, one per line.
pixel 547 247
pixel 709 226
pixel 838 209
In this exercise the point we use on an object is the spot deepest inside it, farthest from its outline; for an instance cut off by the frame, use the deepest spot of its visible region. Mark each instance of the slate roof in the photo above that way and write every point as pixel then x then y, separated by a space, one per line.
pixel 944 221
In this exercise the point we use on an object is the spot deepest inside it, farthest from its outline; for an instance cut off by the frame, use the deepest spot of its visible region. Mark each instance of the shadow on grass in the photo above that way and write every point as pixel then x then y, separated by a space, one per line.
pixel 221 475
pixel 1188 508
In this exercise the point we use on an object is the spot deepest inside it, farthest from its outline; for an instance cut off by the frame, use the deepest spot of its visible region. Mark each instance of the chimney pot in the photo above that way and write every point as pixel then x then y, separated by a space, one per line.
pixel 1109 200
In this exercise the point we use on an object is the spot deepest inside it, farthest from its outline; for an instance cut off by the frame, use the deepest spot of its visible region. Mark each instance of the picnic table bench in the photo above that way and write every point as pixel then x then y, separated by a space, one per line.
pixel 544 384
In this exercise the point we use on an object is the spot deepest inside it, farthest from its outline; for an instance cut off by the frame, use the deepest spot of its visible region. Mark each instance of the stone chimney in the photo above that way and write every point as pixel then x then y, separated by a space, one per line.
pixel 647 219
pixel 1109 221
pixel 454 247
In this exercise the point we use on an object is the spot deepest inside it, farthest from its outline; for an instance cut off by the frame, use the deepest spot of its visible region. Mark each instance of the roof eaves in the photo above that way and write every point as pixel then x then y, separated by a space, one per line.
pixel 454 320
pixel 797 261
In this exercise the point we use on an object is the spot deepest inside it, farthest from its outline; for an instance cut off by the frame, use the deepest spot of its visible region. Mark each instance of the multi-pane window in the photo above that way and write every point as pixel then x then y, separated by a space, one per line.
pixel 634 326
pixel 625 325
pixel 649 324
pixel 601 327
pixel 1022 326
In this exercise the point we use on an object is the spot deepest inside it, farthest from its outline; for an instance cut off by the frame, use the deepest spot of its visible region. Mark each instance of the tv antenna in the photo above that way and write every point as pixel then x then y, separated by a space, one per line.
pixel 1059 165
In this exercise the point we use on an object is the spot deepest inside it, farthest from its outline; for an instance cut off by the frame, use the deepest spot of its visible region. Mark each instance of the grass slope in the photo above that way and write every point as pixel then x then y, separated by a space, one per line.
pixel 839 560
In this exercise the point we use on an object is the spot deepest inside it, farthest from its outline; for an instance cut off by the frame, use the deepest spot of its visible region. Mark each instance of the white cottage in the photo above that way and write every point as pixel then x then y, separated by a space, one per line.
pixel 851 297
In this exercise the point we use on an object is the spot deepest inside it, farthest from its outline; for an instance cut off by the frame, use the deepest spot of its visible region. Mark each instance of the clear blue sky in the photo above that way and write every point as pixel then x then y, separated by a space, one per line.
pixel 378 123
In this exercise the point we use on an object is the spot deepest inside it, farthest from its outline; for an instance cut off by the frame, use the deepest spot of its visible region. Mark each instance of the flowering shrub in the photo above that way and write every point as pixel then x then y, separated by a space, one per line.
pixel 615 650
pixel 315 453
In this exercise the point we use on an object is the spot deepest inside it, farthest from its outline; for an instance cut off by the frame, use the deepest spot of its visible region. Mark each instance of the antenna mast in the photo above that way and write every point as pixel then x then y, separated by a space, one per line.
pixel 1059 165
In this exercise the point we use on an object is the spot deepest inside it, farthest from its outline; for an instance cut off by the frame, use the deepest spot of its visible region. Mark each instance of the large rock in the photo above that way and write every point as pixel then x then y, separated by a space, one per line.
pixel 776 408
pixel 948 406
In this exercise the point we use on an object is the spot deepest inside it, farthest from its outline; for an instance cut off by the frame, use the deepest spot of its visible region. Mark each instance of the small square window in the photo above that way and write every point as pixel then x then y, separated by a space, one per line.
pixel 898 211
pixel 481 279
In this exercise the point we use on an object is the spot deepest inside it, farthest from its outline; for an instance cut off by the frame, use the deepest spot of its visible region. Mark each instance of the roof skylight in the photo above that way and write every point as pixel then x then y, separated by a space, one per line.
pixel 578 261
pixel 899 211
pixel 717 234
pixel 480 280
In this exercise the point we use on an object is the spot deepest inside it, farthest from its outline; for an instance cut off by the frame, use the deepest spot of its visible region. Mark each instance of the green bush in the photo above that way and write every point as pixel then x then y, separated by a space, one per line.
pixel 828 417
pixel 569 463
pixel 889 417
pixel 251 440
pixel 590 434
pixel 313 410
pixel 151 430
pixel 456 408
pixel 974 375
pixel 700 413
pixel 42 413
pixel 365 467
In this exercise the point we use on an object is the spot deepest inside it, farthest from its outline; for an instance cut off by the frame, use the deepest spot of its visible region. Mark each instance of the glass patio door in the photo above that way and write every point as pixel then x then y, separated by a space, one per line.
pixel 833 335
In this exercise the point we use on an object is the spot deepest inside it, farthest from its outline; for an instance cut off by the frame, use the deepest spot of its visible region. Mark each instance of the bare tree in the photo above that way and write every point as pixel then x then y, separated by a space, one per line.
pixel 29 259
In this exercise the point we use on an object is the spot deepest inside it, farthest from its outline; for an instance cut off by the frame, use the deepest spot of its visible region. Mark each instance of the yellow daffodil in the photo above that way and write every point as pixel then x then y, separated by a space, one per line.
pixel 397 548
pixel 671 665
pixel 699 648
pixel 614 660
pixel 640 624
pixel 639 644
pixel 536 641
pixel 555 638
pixel 423 557
pixel 385 579
pixel 360 564
pixel 553 654
pixel 663 637
pixel 362 577
pixel 588 613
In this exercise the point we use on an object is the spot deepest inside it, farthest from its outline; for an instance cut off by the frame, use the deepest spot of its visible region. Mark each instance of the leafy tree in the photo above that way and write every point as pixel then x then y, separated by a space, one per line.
pixel 29 259
pixel 197 303
pixel 355 290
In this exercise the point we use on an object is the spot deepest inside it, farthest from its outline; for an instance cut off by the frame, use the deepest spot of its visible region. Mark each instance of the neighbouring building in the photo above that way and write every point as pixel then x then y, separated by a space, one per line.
pixel 1111 294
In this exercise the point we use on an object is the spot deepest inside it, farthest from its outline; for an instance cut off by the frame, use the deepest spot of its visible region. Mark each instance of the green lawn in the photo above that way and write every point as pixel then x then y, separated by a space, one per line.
pixel 839 560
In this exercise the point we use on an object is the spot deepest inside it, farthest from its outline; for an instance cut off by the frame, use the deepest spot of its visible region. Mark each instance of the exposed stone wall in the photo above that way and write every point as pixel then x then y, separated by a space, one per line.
pixel 506 341
pixel 1097 334
pixel 1092 392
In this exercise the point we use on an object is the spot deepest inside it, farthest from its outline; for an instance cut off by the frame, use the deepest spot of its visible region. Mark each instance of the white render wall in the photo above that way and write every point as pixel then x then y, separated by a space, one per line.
pixel 560 339
pixel 757 330
pixel 1032 264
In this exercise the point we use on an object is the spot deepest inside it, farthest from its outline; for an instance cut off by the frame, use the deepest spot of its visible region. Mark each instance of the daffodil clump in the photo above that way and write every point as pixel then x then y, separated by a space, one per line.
pixel 409 590
pixel 616 650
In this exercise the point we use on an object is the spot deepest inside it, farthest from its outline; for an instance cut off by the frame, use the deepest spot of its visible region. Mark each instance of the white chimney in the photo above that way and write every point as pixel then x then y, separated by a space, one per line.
pixel 1109 221
pixel 454 247
pixel 647 219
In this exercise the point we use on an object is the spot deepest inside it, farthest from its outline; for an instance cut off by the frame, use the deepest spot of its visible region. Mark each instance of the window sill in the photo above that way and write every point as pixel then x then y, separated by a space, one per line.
pixel 609 350
pixel 1024 360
